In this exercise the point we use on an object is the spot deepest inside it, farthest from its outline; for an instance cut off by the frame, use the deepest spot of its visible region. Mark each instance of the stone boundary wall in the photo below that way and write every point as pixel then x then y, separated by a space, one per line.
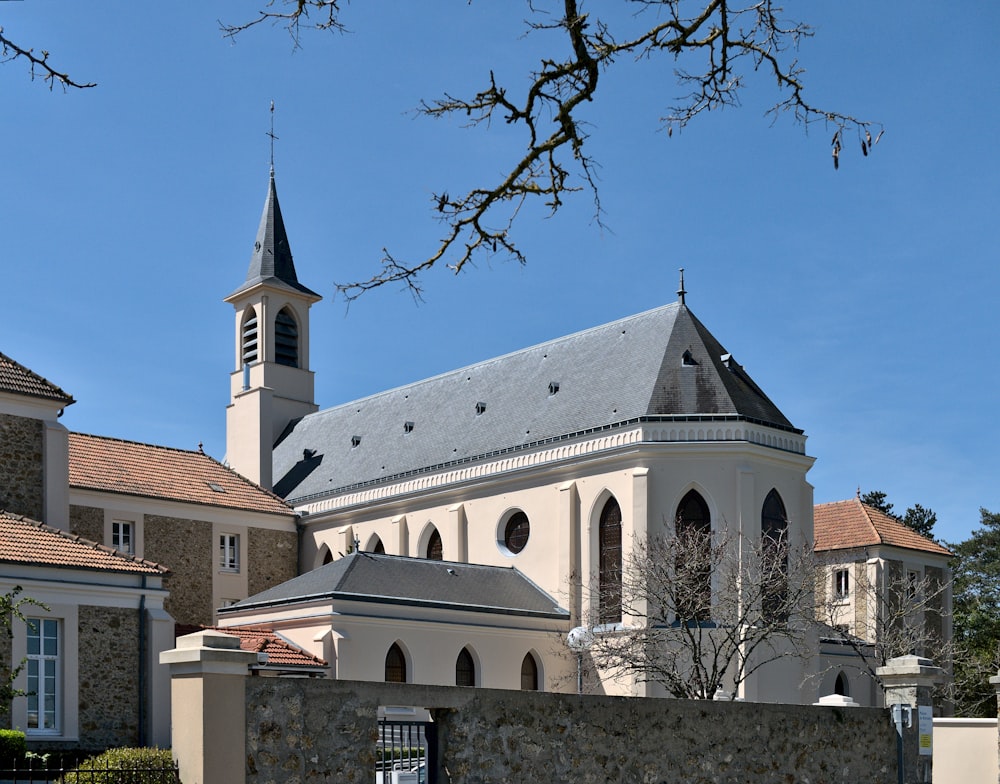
pixel 310 731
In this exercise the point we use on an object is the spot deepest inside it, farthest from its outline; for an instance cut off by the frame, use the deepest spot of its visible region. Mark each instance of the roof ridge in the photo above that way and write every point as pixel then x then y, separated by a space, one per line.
pixel 120 440
pixel 89 543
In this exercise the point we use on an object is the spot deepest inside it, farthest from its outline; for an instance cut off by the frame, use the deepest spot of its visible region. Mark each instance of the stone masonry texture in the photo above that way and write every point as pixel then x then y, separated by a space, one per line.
pixel 109 677
pixel 184 547
pixel 273 558
pixel 309 731
pixel 87 522
pixel 21 466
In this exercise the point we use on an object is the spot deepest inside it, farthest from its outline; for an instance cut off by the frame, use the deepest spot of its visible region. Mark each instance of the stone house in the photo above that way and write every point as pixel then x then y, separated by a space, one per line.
pixel 882 584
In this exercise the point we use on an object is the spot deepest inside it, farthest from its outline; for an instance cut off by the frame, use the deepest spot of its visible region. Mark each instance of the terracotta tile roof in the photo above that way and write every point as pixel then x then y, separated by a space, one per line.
pixel 257 639
pixel 16 378
pixel 131 468
pixel 26 541
pixel 843 525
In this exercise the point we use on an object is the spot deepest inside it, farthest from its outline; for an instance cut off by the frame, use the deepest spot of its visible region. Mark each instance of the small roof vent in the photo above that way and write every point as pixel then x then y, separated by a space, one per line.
pixel 553 387
pixel 355 441
pixel 480 408
pixel 216 487
pixel 407 427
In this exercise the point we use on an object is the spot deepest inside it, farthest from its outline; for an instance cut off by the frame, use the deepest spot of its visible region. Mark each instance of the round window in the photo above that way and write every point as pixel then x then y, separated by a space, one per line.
pixel 515 535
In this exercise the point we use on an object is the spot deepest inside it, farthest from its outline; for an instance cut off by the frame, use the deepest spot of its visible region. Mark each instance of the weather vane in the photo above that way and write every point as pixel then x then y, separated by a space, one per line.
pixel 271 134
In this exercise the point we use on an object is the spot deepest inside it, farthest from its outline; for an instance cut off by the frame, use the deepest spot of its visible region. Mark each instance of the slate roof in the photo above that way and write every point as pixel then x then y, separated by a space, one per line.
pixel 394 579
pixel 131 468
pixel 257 639
pixel 17 379
pixel 660 364
pixel 271 260
pixel 26 541
pixel 844 525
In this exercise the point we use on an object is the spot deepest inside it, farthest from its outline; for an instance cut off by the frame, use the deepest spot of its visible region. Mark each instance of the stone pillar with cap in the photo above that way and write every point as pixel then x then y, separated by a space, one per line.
pixel 208 672
pixel 908 681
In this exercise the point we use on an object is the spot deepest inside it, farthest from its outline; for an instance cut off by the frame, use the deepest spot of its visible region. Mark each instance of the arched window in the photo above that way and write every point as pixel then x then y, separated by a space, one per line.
pixel 286 339
pixel 327 556
pixel 435 550
pixel 774 555
pixel 375 546
pixel 248 333
pixel 529 673
pixel 842 686
pixel 693 559
pixel 609 575
pixel 395 665
pixel 465 669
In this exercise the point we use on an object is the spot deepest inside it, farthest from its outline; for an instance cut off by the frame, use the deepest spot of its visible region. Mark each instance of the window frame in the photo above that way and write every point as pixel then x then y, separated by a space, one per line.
pixel 609 566
pixel 398 665
pixel 229 553
pixel 118 527
pixel 37 693
pixel 842 584
pixel 465 668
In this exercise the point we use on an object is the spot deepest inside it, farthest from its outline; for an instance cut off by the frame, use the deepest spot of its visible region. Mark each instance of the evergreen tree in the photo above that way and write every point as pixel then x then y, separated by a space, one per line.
pixel 916 517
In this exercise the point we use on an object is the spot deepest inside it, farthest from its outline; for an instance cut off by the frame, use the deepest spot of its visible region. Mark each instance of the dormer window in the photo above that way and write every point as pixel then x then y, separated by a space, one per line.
pixel 687 358
pixel 407 427
pixel 355 441
pixel 480 408
pixel 553 387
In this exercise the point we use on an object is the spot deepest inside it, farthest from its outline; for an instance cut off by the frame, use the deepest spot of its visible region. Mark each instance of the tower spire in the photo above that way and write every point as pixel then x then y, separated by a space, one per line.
pixel 273 139
pixel 680 291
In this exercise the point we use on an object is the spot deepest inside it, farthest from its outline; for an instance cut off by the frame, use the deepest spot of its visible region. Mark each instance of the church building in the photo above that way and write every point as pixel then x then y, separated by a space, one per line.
pixel 532 475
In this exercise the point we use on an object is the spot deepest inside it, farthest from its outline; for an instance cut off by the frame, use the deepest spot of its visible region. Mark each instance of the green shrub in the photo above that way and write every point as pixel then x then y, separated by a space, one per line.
pixel 125 766
pixel 12 747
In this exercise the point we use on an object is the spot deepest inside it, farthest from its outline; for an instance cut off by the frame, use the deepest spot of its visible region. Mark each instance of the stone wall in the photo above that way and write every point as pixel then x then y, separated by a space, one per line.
pixel 21 466
pixel 323 730
pixel 184 547
pixel 87 522
pixel 272 558
pixel 109 677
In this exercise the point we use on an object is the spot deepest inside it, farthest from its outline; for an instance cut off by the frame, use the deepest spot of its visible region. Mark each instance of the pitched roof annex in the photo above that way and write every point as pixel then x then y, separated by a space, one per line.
pixel 26 541
pixel 17 379
pixel 844 525
pixel 131 468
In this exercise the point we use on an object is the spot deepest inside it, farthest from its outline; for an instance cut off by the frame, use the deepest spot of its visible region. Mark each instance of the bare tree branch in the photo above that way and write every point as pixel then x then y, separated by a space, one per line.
pixel 725 40
pixel 38 64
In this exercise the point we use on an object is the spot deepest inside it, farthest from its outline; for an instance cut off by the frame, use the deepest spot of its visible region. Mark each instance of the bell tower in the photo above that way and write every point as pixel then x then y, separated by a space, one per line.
pixel 271 383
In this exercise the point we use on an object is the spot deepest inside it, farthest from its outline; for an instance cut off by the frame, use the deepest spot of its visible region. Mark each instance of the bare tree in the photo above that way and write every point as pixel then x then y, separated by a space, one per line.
pixel 38 64
pixel 12 606
pixel 713 43
pixel 702 612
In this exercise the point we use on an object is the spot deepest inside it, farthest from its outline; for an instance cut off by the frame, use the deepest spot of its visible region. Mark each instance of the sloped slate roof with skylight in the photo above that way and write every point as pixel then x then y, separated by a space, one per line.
pixel 394 579
pixel 128 467
pixel 663 363
pixel 17 379
pixel 26 541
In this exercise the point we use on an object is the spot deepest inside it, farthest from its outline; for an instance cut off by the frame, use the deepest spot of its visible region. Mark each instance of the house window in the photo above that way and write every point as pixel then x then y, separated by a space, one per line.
pixel 435 550
pixel 529 673
pixel 122 536
pixel 395 665
pixel 912 585
pixel 229 552
pixel 774 555
pixel 44 675
pixel 841 583
pixel 693 559
pixel 286 339
pixel 515 535
pixel 609 572
pixel 465 669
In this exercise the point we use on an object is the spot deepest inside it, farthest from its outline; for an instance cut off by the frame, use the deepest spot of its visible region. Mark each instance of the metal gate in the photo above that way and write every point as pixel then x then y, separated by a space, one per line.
pixel 406 752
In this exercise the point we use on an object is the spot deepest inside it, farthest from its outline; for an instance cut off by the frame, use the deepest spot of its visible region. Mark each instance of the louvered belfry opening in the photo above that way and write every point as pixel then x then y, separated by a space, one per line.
pixel 249 337
pixel 610 563
pixel 286 339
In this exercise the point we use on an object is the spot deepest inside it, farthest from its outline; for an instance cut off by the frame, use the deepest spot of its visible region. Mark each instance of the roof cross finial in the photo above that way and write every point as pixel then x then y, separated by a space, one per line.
pixel 681 292
pixel 273 137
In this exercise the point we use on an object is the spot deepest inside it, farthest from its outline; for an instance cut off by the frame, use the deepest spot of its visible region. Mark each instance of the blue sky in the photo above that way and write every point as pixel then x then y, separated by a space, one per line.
pixel 862 300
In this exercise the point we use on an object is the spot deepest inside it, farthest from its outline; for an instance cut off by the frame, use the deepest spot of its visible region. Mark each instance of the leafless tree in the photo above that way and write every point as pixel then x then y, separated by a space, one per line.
pixel 12 606
pixel 714 44
pixel 701 612
pixel 38 64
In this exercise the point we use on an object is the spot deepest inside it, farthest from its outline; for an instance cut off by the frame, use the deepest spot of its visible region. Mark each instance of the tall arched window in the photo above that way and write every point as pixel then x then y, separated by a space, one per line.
pixel 395 665
pixel 529 673
pixel 286 339
pixel 774 555
pixel 842 686
pixel 465 669
pixel 609 575
pixel 248 335
pixel 375 545
pixel 435 550
pixel 693 559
